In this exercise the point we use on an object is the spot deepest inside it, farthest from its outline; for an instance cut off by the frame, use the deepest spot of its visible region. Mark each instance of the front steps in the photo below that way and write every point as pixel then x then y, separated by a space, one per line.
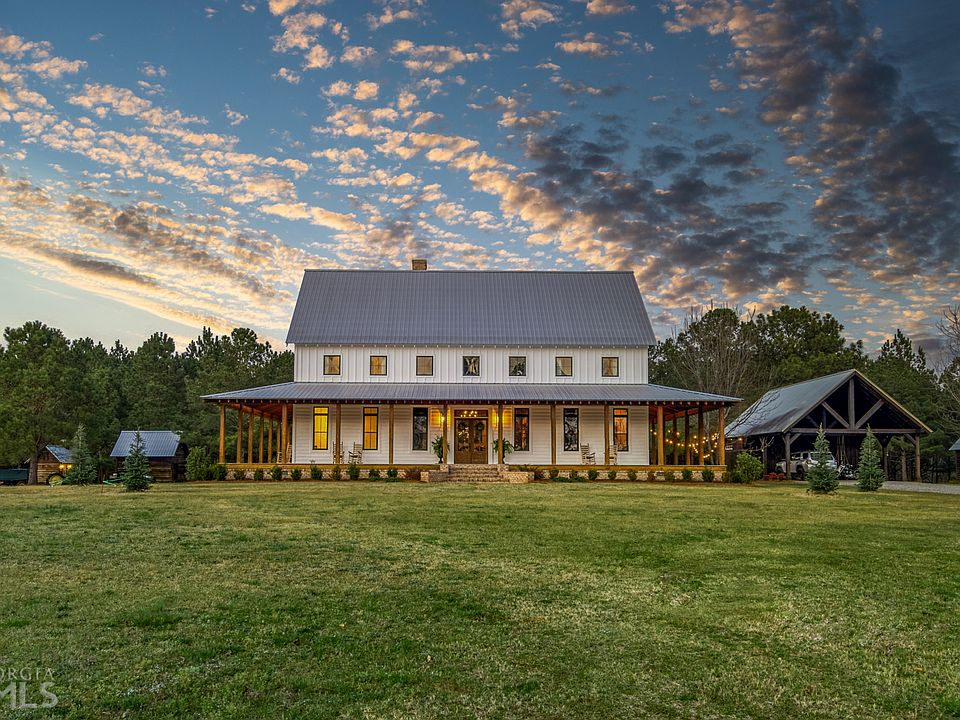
pixel 477 474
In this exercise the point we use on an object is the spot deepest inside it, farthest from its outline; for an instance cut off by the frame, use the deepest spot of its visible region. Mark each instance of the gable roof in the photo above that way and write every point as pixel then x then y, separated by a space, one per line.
pixel 61 453
pixel 502 308
pixel 956 446
pixel 156 443
pixel 780 409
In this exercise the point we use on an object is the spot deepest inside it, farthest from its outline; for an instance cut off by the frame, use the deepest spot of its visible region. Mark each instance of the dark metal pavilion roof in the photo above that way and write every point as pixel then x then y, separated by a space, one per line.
pixel 478 308
pixel 156 443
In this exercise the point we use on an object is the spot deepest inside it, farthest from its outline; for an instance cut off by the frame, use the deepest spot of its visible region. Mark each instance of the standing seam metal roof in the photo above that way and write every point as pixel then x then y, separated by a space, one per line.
pixel 502 308
pixel 156 443
pixel 61 453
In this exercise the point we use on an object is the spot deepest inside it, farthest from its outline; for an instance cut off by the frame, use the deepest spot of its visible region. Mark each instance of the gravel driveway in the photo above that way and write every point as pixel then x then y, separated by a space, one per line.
pixel 944 488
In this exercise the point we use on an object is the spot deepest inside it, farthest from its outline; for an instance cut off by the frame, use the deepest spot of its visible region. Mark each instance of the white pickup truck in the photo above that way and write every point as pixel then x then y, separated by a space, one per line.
pixel 803 461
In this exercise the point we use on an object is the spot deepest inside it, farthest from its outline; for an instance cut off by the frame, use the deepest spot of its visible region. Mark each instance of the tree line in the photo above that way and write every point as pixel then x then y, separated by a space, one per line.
pixel 49 384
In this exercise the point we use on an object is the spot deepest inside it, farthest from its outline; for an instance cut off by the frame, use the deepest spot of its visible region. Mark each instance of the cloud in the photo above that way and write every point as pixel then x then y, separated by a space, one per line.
pixel 365 90
pixel 519 15
pixel 591 45
pixel 317 58
pixel 316 215
pixel 233 116
pixel 357 54
pixel 288 75
pixel 434 58
pixel 394 11
pixel 52 68
pixel 608 7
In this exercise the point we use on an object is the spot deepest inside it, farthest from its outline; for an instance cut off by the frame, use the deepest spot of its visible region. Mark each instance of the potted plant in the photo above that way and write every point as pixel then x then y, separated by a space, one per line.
pixel 507 448
pixel 438 447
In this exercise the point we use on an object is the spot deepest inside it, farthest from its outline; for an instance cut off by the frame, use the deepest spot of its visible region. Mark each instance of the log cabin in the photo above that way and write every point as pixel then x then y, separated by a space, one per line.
pixel 53 463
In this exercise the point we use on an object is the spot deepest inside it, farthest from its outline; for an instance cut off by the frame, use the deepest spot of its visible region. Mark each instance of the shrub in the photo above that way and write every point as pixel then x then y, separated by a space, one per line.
pixel 296 474
pixel 218 472
pixel 316 473
pixel 258 475
pixel 611 474
pixel 393 475
pixel 708 475
pixel 574 476
pixel 353 471
pixel 373 475
pixel 670 476
pixel 687 475
pixel 412 473
pixel 554 473
pixel 539 474
pixel 239 475
pixel 651 475
pixel 198 464
pixel 335 473
pixel 592 474
pixel 136 468
pixel 869 470
pixel 746 469
pixel 276 473
pixel 632 475
pixel 821 478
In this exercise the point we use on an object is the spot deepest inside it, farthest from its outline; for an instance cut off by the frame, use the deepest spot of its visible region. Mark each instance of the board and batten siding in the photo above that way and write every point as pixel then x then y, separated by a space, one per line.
pixel 351 431
pixel 448 364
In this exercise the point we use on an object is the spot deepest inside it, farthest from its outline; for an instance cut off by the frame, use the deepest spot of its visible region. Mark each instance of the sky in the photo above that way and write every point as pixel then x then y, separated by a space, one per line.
pixel 166 166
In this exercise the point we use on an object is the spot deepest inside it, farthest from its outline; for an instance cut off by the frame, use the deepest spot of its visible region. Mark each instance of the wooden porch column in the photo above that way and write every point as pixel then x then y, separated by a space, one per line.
pixel 786 450
pixel 337 455
pixel 606 434
pixel 916 458
pixel 223 439
pixel 443 449
pixel 700 434
pixel 660 455
pixel 686 437
pixel 390 450
pixel 553 434
pixel 676 449
pixel 722 455
pixel 283 436
pixel 270 441
pixel 500 434
pixel 250 439
pixel 239 435
pixel 260 447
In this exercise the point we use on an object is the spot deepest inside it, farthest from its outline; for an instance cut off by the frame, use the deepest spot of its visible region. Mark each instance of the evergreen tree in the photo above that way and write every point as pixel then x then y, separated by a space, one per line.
pixel 136 468
pixel 83 470
pixel 869 471
pixel 822 478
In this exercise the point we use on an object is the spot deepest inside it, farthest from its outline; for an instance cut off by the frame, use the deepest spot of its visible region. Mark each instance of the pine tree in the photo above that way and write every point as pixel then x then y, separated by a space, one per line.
pixel 83 470
pixel 869 470
pixel 821 478
pixel 136 468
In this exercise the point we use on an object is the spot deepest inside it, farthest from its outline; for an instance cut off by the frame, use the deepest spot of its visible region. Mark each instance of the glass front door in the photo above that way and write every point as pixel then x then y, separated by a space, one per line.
pixel 471 441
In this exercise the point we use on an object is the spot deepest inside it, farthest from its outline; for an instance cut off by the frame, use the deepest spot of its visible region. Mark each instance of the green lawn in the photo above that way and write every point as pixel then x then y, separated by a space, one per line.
pixel 363 600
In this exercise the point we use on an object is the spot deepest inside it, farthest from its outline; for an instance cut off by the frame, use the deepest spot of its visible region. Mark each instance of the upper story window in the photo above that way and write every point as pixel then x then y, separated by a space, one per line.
pixel 424 364
pixel 610 366
pixel 331 364
pixel 564 366
pixel 518 365
pixel 378 364
pixel 471 366
pixel 321 426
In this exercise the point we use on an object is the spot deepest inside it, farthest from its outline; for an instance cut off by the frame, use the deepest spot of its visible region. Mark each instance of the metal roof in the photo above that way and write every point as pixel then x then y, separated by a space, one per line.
pixel 503 308
pixel 779 410
pixel 156 443
pixel 955 447
pixel 303 392
pixel 61 453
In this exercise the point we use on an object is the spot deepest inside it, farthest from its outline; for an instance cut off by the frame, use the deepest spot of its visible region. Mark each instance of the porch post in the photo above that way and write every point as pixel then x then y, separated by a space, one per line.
pixel 260 447
pixel 700 434
pixel 239 434
pixel 916 457
pixel 786 450
pixel 337 455
pixel 250 439
pixel 283 435
pixel 223 445
pixel 390 451
pixel 660 455
pixel 606 434
pixel 675 443
pixel 722 437
pixel 553 434
pixel 270 441
pixel 500 434
pixel 686 437
pixel 443 449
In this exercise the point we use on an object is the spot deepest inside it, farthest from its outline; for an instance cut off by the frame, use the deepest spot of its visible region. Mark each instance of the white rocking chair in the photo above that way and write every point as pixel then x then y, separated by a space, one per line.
pixel 355 456
pixel 587 457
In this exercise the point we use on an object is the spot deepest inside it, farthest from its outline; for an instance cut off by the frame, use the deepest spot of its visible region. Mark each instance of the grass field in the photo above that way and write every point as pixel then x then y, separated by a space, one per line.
pixel 361 600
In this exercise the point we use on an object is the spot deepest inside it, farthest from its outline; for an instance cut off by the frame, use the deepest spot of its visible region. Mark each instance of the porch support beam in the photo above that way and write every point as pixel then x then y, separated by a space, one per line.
pixel 338 448
pixel 500 434
pixel 606 434
pixel 553 434
pixel 270 441
pixel 443 449
pixel 223 439
pixel 250 438
pixel 721 436
pixel 786 450
pixel 660 456
pixel 239 435
pixel 260 447
pixel 700 434
pixel 674 440
pixel 390 423
pixel 916 457
pixel 283 435
pixel 686 438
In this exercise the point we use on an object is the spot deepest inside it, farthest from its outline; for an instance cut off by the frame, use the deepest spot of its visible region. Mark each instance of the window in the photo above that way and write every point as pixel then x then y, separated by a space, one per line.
pixel 321 418
pixel 331 364
pixel 564 366
pixel 424 364
pixel 371 427
pixel 378 364
pixel 420 427
pixel 621 434
pixel 518 366
pixel 471 366
pixel 521 429
pixel 571 429
pixel 610 366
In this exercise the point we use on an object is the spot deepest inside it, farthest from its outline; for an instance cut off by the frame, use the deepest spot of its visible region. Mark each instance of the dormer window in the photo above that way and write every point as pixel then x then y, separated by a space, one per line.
pixel 331 364
pixel 564 366
pixel 424 365
pixel 610 366
pixel 471 366
pixel 518 365
pixel 378 364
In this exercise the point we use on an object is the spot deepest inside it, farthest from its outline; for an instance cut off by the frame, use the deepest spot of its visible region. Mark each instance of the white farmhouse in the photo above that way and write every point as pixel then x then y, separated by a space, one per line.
pixel 455 368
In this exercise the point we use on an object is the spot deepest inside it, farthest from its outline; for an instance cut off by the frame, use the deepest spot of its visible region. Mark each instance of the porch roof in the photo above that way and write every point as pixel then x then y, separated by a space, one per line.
pixel 314 392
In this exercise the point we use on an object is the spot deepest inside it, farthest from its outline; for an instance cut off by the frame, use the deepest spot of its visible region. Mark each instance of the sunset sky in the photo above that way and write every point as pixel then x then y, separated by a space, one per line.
pixel 165 166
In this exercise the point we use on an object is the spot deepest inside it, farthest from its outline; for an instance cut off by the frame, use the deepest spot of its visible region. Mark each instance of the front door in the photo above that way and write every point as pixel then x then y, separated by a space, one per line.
pixel 471 441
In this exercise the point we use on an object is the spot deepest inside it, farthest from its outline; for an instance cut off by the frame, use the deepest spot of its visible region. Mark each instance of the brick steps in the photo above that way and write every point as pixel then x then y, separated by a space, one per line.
pixel 474 473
